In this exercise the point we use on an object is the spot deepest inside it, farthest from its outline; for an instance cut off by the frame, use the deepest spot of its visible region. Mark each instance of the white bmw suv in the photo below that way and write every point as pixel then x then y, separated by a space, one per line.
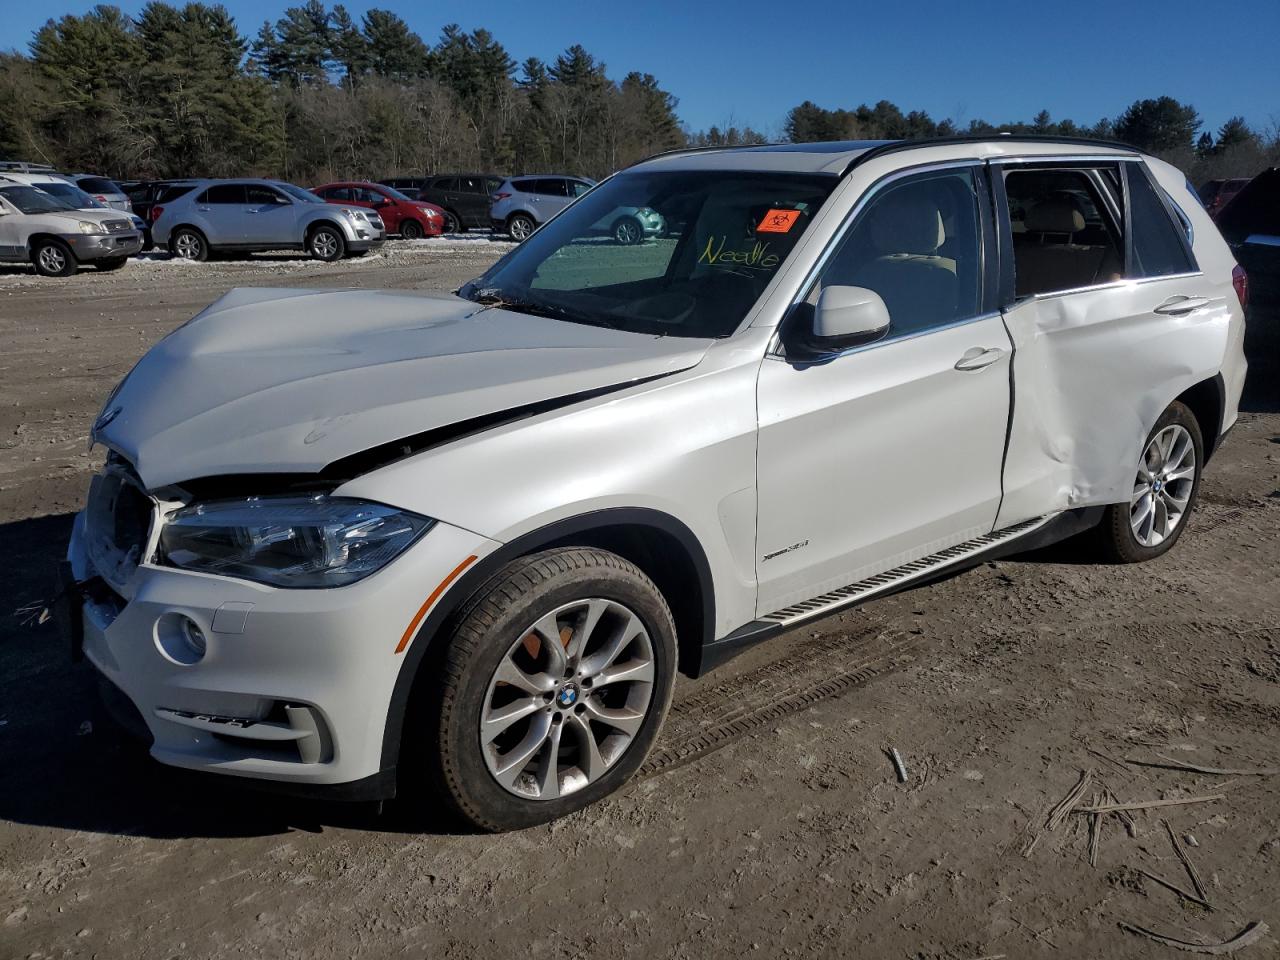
pixel 350 541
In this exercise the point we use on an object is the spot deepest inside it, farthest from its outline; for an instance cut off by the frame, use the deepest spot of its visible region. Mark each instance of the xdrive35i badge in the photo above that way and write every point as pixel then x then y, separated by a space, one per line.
pixel 778 553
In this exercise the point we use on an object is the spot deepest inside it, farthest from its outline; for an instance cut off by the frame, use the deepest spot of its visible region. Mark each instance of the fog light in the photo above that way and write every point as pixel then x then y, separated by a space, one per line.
pixel 180 639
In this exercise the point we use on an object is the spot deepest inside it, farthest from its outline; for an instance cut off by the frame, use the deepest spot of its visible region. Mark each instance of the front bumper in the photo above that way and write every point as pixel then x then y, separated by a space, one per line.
pixel 97 246
pixel 294 686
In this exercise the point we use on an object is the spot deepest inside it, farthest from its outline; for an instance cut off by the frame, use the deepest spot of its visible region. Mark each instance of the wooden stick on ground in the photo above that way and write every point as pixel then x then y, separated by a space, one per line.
pixel 1166 763
pixel 1246 937
pixel 1147 804
pixel 1067 803
pixel 1190 867
pixel 1189 897
pixel 1130 825
pixel 1095 830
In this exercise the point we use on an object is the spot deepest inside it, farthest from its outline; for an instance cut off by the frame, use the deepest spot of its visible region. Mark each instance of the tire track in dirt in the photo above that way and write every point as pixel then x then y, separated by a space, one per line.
pixel 813 671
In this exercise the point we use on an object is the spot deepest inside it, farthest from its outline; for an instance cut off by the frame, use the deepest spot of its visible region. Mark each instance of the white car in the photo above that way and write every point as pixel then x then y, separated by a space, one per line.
pixel 55 236
pixel 352 541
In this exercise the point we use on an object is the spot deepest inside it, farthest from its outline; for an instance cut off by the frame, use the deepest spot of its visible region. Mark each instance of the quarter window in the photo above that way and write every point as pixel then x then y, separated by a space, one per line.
pixel 918 244
pixel 1158 247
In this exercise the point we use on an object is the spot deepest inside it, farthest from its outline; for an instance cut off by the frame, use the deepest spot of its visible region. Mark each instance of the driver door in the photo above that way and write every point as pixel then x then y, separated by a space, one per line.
pixel 876 455
pixel 269 217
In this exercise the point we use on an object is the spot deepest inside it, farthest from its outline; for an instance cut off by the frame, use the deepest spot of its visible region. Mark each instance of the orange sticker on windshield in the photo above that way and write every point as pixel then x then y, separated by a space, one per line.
pixel 778 221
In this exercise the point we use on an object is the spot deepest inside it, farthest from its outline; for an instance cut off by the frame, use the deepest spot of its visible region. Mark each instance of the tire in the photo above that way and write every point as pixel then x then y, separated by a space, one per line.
pixel 53 258
pixel 326 243
pixel 452 222
pixel 412 230
pixel 627 231
pixel 1124 535
pixel 188 243
pixel 520 227
pixel 110 263
pixel 498 628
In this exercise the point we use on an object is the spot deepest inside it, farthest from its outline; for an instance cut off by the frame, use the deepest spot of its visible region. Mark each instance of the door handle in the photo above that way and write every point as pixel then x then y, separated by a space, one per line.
pixel 1180 306
pixel 979 358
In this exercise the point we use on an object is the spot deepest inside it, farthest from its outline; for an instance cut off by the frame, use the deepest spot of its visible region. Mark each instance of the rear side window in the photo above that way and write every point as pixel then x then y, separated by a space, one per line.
pixel 223 193
pixel 1159 249
pixel 552 187
pixel 448 184
pixel 173 193
pixel 98 185
pixel 525 186
pixel 1064 236
pixel 470 185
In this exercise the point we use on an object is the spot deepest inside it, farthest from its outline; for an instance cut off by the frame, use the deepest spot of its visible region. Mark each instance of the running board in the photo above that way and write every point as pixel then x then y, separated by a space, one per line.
pixel 898 576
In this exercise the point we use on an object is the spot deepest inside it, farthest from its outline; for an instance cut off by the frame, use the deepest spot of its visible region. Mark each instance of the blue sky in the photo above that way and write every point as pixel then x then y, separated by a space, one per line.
pixel 749 61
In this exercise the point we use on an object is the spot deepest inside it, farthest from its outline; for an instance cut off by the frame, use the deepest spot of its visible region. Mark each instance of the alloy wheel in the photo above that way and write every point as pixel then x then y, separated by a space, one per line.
pixel 627 232
pixel 187 246
pixel 521 228
pixel 1162 490
pixel 52 260
pixel 324 244
pixel 567 699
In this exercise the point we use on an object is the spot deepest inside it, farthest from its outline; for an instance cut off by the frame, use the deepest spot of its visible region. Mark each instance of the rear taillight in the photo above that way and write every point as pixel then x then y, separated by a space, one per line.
pixel 1240 280
pixel 500 196
pixel 155 213
pixel 100 198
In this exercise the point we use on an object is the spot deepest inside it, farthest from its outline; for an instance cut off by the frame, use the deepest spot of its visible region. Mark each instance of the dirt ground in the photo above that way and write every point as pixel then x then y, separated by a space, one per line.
pixel 768 822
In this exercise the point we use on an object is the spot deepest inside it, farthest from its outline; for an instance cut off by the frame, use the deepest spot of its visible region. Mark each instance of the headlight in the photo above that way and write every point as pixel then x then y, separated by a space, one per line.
pixel 294 541
pixel 91 228
pixel 355 214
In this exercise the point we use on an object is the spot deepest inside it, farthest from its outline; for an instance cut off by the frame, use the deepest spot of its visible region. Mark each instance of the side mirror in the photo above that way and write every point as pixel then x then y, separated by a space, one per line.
pixel 848 316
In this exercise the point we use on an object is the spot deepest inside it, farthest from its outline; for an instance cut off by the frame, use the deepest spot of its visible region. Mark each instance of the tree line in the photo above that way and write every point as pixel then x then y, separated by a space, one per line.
pixel 1162 127
pixel 178 90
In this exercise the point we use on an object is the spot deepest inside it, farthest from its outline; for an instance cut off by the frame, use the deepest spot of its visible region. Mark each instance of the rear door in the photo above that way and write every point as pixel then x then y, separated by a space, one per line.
pixel 473 200
pixel 553 195
pixel 222 210
pixel 1110 318
pixel 883 453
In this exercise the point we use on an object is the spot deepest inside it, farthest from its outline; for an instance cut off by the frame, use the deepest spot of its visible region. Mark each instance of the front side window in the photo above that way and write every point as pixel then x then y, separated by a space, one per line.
pixel 1064 237
pixel 577 188
pixel 735 229
pixel 447 184
pixel 1158 247
pixel 259 196
pixel 918 244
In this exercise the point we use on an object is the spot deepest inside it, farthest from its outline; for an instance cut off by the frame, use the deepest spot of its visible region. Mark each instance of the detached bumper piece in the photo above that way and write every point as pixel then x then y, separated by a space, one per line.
pixel 288 732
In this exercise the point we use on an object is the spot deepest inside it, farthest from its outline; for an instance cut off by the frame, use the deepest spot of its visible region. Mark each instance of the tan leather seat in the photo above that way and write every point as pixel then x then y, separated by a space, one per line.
pixel 917 285
pixel 1046 258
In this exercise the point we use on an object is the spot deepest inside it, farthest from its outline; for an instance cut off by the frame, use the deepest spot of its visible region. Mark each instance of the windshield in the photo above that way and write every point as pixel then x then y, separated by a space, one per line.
pixel 393 192
pixel 31 200
pixel 305 196
pixel 72 194
pixel 681 253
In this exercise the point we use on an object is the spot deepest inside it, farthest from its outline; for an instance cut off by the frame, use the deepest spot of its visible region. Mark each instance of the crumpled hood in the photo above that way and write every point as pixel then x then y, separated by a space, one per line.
pixel 288 381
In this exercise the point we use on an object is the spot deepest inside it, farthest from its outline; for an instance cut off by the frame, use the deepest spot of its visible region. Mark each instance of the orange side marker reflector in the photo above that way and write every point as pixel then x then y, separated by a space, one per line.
pixel 431 601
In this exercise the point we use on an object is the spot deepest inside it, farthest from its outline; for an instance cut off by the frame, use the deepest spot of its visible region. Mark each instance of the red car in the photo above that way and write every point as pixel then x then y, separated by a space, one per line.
pixel 412 219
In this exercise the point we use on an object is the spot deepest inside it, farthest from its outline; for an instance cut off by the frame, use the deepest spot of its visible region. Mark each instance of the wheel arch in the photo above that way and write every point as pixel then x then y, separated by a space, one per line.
pixel 1207 401
pixel 187 226
pixel 36 238
pixel 663 547
pixel 323 221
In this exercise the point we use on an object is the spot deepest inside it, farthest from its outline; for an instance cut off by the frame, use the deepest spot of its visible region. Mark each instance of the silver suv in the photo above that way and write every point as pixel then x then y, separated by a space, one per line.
pixel 522 204
pixel 262 215
pixel 55 236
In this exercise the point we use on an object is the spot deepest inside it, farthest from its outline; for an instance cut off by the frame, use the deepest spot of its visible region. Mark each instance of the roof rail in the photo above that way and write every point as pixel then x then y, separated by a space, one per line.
pixel 898 145
pixel 21 166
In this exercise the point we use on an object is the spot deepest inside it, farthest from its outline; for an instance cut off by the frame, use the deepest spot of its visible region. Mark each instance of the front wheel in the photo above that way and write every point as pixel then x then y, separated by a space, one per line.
pixel 326 243
pixel 53 258
pixel 411 230
pixel 521 227
pixel 1164 492
pixel 553 687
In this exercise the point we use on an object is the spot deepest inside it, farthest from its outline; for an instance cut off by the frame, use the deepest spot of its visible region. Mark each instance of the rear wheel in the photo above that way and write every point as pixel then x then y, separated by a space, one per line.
pixel 452 222
pixel 1164 492
pixel 189 244
pixel 326 243
pixel 110 263
pixel 521 227
pixel 552 689
pixel 411 230
pixel 627 231
pixel 53 258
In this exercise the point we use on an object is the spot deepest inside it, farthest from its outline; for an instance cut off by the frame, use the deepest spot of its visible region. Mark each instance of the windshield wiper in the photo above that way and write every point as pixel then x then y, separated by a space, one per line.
pixel 490 298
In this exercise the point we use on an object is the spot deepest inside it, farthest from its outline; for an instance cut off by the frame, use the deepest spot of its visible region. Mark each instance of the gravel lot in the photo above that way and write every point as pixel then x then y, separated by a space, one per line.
pixel 769 819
